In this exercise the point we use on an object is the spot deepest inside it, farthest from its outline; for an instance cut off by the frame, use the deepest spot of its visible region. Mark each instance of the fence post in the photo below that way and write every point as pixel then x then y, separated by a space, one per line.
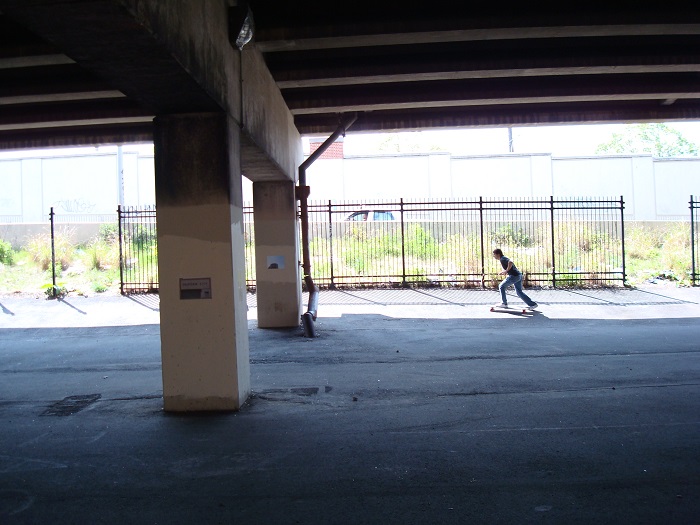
pixel 403 248
pixel 481 237
pixel 554 264
pixel 692 239
pixel 622 226
pixel 330 241
pixel 53 253
pixel 121 251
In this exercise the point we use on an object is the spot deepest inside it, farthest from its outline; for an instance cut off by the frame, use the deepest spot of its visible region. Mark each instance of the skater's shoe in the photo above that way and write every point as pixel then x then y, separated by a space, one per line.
pixel 502 305
pixel 533 306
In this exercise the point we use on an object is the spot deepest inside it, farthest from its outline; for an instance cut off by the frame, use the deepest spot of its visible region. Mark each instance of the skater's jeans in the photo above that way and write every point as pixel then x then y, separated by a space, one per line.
pixel 516 281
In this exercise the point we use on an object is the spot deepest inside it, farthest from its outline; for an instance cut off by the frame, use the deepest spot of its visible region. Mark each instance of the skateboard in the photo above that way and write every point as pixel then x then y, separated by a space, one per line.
pixel 509 310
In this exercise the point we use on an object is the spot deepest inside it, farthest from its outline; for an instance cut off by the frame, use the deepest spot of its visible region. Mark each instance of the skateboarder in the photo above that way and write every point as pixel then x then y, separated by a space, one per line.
pixel 514 277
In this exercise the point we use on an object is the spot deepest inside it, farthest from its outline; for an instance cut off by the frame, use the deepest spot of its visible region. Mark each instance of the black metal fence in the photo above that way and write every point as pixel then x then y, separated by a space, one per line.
pixel 555 242
pixel 138 249
pixel 249 239
pixel 694 239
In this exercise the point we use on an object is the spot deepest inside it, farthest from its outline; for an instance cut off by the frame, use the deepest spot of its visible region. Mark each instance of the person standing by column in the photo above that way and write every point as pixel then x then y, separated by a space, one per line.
pixel 514 277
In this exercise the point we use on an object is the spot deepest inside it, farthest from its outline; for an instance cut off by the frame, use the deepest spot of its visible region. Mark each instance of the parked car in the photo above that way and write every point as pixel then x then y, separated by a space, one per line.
pixel 372 216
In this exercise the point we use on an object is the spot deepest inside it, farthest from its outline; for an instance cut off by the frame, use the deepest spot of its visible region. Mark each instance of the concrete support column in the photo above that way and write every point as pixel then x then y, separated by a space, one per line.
pixel 201 263
pixel 277 254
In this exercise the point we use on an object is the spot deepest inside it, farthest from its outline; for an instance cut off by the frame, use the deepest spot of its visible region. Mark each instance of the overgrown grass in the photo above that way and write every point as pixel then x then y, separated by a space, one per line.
pixel 39 247
pixel 584 256
pixel 24 275
pixel 662 252
pixel 652 253
pixel 82 270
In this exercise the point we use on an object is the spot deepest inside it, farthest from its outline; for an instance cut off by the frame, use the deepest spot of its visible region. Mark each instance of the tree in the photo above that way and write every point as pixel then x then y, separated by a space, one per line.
pixel 406 143
pixel 658 139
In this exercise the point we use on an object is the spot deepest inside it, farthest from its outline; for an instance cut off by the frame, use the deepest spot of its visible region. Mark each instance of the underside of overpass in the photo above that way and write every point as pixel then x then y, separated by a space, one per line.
pixel 98 71
pixel 219 107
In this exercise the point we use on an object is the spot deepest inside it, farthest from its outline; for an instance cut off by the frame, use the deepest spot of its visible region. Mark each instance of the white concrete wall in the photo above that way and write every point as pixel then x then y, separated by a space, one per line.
pixel 81 187
pixel 11 196
pixel 493 176
pixel 82 191
pixel 322 182
pixel 653 189
pixel 674 182
pixel 595 177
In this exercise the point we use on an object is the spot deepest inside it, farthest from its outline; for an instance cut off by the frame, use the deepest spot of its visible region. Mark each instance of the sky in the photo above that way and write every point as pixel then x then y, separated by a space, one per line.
pixel 559 140
pixel 142 149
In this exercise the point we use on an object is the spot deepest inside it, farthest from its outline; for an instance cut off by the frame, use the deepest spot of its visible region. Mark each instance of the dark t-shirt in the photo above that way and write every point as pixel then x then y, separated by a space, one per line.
pixel 513 270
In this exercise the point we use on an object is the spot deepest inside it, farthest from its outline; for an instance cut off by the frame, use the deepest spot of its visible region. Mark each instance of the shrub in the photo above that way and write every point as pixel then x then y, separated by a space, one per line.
pixel 506 235
pixel 642 242
pixel 419 242
pixel 355 260
pixel 675 253
pixel 109 233
pixel 102 255
pixel 658 252
pixel 390 244
pixel 54 292
pixel 7 254
pixel 143 236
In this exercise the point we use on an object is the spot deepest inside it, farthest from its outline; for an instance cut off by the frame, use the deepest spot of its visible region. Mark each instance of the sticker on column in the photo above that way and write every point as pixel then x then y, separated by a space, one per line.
pixel 199 288
pixel 275 262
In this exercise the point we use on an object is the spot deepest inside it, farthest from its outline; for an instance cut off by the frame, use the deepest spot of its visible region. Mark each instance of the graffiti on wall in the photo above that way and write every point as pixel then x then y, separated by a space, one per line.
pixel 74 206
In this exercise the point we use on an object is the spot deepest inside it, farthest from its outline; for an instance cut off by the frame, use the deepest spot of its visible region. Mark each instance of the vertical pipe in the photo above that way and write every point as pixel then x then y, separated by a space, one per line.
pixel 304 212
pixel 303 195
pixel 53 252
pixel 121 249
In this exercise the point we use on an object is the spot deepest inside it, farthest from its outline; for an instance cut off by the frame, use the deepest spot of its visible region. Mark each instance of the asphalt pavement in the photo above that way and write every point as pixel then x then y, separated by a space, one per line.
pixel 411 406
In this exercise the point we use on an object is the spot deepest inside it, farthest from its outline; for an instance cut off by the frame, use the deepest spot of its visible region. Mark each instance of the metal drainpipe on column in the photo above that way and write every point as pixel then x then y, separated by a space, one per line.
pixel 309 317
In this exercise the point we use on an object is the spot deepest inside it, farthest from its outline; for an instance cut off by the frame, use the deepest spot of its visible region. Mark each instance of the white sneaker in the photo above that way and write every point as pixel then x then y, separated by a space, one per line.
pixel 502 305
pixel 533 306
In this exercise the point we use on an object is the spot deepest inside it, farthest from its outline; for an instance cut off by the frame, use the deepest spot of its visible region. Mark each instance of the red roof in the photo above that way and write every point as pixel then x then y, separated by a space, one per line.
pixel 334 151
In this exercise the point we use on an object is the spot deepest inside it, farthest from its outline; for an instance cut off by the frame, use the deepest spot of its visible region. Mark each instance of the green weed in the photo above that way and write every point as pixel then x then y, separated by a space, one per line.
pixel 7 254
pixel 39 247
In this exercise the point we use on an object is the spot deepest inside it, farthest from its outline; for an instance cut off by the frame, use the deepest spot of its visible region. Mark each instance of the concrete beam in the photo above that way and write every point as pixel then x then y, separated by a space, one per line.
pixel 501 116
pixel 76 136
pixel 173 57
pixel 105 37
pixel 197 33
pixel 271 145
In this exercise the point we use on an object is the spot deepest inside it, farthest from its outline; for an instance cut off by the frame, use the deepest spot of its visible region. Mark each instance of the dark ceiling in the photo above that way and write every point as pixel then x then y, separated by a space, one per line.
pixel 423 65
